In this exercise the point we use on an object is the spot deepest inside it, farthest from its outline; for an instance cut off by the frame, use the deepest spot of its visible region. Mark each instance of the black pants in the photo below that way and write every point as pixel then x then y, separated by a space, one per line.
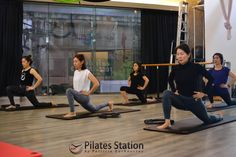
pixel 187 103
pixel 137 92
pixel 21 91
pixel 226 97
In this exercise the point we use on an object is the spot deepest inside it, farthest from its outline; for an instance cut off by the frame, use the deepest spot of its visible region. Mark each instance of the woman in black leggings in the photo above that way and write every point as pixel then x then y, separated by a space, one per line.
pixel 137 82
pixel 185 94
pixel 26 87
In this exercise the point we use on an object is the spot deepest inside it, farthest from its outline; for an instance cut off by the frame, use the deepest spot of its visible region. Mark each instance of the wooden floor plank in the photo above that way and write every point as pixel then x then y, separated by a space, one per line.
pixel 52 137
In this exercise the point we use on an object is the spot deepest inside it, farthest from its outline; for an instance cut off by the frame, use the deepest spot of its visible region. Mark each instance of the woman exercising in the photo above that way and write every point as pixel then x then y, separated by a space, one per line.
pixel 185 94
pixel 137 82
pixel 26 87
pixel 81 88
pixel 220 86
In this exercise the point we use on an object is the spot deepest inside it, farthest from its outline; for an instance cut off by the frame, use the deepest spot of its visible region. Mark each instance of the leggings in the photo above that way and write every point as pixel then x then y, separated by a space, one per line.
pixel 137 92
pixel 83 100
pixel 21 91
pixel 226 96
pixel 189 104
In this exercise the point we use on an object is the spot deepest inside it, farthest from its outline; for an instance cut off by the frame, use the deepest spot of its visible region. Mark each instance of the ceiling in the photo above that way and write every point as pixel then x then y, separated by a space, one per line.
pixel 145 4
pixel 156 2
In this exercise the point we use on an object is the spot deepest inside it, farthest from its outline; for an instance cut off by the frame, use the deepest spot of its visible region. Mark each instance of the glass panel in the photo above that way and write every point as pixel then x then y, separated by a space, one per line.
pixel 70 31
pixel 109 38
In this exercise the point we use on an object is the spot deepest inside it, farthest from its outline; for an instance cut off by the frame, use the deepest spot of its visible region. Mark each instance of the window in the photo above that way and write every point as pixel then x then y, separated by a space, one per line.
pixel 108 37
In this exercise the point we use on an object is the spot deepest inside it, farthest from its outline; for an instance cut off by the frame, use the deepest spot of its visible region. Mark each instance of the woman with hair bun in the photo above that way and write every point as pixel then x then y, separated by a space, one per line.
pixel 26 87
pixel 82 90
pixel 137 83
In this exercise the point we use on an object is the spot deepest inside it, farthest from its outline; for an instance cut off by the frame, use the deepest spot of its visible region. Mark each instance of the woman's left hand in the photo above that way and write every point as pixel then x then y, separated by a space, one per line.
pixel 198 95
pixel 224 85
pixel 85 93
pixel 29 88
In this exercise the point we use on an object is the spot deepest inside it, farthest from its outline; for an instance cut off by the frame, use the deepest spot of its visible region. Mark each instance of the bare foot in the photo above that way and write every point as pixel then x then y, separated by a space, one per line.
pixel 209 105
pixel 69 115
pixel 11 107
pixel 53 104
pixel 110 104
pixel 220 113
pixel 151 100
pixel 166 125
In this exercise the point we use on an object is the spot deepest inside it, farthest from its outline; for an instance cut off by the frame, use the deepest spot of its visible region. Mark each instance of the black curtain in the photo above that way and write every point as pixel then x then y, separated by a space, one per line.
pixel 158 30
pixel 11 19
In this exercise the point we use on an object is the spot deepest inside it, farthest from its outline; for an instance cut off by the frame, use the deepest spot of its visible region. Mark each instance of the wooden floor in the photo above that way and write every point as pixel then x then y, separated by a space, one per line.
pixel 52 137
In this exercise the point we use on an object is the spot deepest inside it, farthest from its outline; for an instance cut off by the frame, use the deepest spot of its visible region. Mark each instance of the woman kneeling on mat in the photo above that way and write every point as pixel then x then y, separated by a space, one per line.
pixel 26 87
pixel 137 82
pixel 184 92
pixel 220 86
pixel 81 84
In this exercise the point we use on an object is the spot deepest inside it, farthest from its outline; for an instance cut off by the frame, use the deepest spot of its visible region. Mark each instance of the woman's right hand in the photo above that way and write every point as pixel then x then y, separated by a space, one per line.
pixel 198 95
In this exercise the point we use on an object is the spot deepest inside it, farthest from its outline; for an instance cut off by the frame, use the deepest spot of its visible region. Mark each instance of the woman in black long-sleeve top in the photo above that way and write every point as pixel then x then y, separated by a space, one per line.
pixel 185 93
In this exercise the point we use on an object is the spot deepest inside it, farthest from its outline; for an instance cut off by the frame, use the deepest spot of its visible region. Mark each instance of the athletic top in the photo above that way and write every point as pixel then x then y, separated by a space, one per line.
pixel 26 78
pixel 188 78
pixel 81 80
pixel 136 80
pixel 220 77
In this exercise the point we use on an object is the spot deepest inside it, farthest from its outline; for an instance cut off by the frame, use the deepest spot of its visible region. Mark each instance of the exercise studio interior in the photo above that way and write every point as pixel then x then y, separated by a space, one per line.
pixel 117 78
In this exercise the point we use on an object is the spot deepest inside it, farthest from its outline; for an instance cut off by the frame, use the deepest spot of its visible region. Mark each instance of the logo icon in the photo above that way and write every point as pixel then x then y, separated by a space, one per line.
pixel 23 76
pixel 76 148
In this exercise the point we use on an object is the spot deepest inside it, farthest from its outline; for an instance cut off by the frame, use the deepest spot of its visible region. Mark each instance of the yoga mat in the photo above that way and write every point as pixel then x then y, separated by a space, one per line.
pixel 9 150
pixel 190 125
pixel 221 106
pixel 45 106
pixel 137 103
pixel 87 114
pixel 156 121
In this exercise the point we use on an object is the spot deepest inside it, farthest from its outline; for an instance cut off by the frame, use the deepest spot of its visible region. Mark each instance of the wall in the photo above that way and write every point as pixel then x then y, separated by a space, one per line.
pixel 215 34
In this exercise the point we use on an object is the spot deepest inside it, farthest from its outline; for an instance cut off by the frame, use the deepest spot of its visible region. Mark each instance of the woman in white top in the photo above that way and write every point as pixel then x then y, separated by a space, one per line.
pixel 81 88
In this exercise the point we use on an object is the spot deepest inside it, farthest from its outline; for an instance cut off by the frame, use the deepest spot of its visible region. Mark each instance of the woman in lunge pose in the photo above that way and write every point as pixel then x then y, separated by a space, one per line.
pixel 26 87
pixel 81 88
pixel 185 94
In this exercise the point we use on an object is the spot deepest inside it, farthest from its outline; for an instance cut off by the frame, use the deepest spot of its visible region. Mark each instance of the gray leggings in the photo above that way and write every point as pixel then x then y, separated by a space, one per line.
pixel 83 100
pixel 187 103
